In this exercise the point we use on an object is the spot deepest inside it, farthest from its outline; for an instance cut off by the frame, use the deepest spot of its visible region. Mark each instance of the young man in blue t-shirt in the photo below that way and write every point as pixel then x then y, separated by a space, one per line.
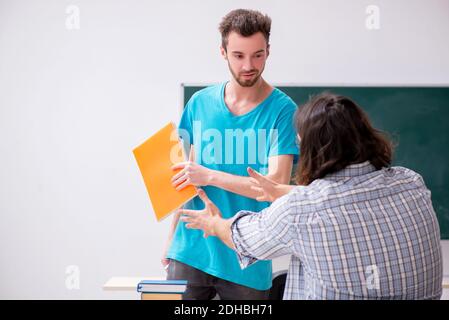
pixel 243 122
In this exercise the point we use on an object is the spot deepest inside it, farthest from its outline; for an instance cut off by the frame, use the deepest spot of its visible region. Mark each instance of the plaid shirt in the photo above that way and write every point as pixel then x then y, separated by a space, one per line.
pixel 359 233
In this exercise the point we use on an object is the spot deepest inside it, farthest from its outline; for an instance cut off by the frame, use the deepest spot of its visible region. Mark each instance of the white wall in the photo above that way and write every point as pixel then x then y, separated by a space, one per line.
pixel 74 103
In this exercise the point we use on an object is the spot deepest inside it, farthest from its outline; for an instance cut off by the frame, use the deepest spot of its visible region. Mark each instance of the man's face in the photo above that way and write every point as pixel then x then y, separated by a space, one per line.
pixel 246 57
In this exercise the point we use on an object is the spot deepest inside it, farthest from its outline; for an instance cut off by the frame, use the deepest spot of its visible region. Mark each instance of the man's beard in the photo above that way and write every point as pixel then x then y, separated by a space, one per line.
pixel 249 82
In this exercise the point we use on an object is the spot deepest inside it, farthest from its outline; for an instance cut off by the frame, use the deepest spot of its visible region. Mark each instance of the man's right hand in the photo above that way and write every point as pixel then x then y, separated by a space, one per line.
pixel 165 262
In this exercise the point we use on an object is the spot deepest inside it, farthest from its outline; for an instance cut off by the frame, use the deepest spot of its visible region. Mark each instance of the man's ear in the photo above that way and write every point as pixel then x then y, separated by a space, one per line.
pixel 268 50
pixel 223 53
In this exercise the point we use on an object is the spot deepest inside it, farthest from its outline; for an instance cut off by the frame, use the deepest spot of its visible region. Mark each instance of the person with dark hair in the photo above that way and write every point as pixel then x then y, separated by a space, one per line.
pixel 356 227
pixel 242 122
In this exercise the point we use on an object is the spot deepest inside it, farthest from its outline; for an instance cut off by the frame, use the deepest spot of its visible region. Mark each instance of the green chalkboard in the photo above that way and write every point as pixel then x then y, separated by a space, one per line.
pixel 417 118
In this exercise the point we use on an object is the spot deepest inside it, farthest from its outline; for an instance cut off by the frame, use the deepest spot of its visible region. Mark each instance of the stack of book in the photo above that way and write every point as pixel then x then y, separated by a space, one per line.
pixel 162 289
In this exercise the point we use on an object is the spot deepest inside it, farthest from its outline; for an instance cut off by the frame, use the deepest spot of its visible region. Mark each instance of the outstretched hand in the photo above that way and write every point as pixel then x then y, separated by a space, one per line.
pixel 202 219
pixel 267 189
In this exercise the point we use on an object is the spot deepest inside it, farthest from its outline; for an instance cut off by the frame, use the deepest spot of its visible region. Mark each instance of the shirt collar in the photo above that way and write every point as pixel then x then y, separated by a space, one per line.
pixel 353 170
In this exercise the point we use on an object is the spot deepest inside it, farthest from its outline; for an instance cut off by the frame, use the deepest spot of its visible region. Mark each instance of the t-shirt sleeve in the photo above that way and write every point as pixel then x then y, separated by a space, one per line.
pixel 185 128
pixel 284 139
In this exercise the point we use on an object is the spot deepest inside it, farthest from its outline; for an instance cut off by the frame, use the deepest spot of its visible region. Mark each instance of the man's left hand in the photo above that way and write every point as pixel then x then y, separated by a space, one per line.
pixel 191 174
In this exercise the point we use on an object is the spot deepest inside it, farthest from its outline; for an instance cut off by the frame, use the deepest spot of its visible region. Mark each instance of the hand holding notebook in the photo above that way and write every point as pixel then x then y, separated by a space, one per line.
pixel 155 158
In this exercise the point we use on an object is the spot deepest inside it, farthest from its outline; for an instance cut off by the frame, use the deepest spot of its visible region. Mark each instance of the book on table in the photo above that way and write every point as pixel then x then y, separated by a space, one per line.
pixel 162 289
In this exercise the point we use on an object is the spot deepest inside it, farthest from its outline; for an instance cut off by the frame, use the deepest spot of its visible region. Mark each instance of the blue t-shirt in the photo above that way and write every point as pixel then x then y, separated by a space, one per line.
pixel 230 143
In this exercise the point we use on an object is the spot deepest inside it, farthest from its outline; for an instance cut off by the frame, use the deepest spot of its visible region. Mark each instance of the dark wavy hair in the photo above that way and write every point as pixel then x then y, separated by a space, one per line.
pixel 335 132
pixel 246 23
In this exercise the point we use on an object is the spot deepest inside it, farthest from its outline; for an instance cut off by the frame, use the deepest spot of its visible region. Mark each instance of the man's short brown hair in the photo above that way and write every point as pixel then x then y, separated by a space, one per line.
pixel 246 23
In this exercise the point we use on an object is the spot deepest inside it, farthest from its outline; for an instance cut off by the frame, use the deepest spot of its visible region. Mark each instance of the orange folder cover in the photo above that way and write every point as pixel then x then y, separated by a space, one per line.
pixel 155 157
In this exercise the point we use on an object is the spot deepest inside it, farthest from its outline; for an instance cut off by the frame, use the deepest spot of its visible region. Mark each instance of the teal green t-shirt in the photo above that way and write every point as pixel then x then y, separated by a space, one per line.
pixel 230 143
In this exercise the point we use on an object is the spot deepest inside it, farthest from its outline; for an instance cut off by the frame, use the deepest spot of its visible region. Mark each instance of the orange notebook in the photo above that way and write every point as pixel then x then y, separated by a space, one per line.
pixel 155 157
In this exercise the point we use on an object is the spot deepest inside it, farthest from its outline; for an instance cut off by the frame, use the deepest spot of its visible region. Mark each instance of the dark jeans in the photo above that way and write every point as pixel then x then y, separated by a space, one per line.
pixel 203 286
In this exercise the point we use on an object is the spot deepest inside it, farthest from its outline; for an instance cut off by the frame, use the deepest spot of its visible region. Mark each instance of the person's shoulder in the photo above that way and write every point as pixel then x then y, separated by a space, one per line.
pixel 304 202
pixel 281 104
pixel 316 190
pixel 283 99
pixel 204 98
pixel 403 173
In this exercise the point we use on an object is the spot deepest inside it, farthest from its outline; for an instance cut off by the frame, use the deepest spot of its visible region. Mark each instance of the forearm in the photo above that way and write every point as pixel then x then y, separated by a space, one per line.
pixel 242 185
pixel 222 230
pixel 233 183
